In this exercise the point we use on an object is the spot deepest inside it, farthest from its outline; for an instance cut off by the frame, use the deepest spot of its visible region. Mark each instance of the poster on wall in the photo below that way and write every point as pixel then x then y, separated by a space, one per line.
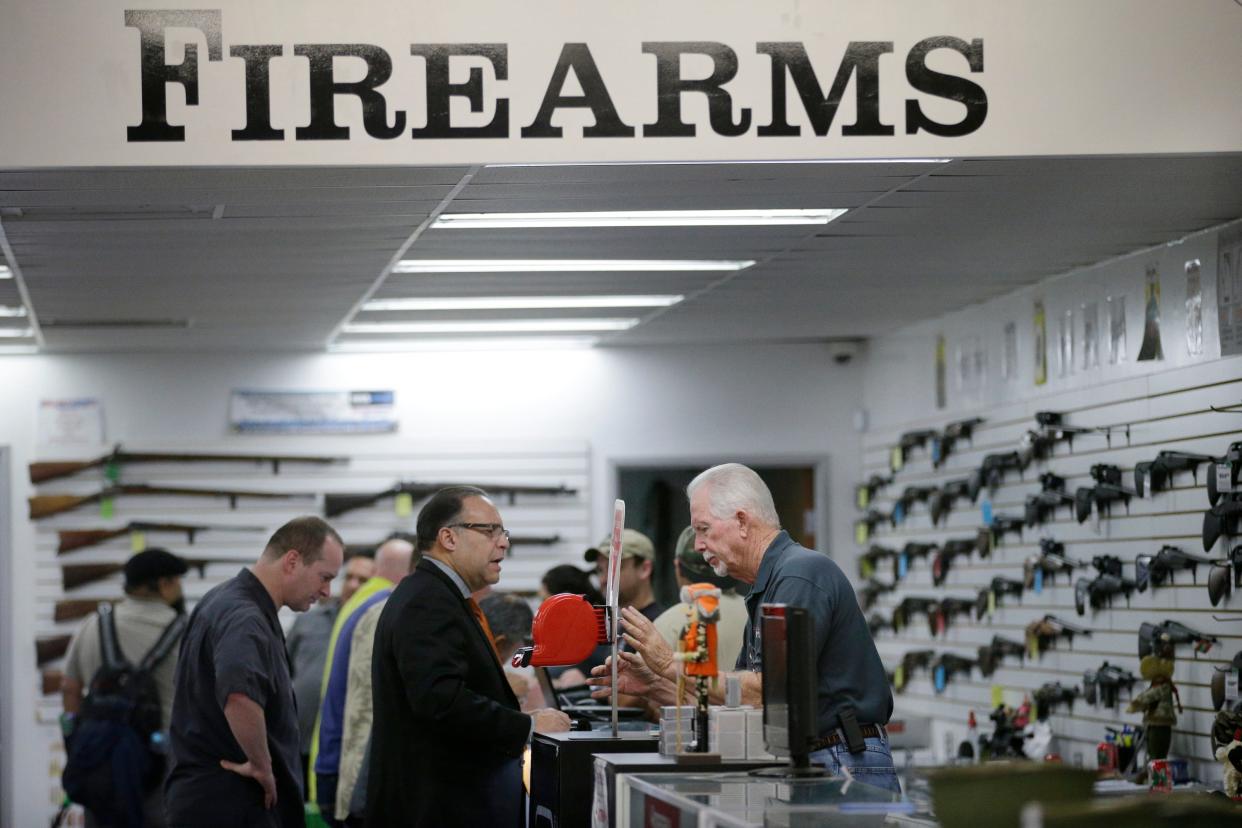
pixel 1009 368
pixel 73 422
pixel 1229 290
pixel 312 412
pixel 1116 329
pixel 1194 308
pixel 1090 335
pixel 1065 343
pixel 941 398
pixel 1151 349
pixel 971 361
pixel 1041 345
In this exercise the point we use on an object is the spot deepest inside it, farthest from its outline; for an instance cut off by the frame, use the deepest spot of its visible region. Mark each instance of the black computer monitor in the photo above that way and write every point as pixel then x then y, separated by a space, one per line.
pixel 790 682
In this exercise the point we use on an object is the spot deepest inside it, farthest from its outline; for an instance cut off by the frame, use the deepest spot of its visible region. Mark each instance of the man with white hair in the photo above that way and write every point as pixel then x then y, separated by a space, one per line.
pixel 739 534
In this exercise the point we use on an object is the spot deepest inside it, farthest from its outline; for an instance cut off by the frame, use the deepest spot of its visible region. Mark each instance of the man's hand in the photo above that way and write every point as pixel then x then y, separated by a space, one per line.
pixel 646 640
pixel 634 677
pixel 548 720
pixel 265 778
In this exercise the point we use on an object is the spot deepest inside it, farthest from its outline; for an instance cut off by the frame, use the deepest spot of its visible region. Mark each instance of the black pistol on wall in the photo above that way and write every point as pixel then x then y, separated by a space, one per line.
pixel 943 443
pixel 1156 475
pixel 1106 491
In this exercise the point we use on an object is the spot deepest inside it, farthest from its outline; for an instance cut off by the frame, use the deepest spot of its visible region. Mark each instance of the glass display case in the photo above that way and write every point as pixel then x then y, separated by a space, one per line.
pixel 743 800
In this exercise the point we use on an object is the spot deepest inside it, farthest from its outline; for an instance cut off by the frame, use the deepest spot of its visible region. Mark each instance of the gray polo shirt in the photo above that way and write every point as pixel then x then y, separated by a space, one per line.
pixel 850 671
pixel 308 652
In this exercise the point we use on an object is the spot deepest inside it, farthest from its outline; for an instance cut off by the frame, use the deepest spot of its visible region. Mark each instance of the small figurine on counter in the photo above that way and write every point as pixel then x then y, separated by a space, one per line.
pixel 696 650
pixel 1156 703
pixel 1230 756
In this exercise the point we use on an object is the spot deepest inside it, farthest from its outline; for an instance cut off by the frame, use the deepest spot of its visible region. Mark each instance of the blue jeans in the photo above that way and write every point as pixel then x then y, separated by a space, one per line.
pixel 874 766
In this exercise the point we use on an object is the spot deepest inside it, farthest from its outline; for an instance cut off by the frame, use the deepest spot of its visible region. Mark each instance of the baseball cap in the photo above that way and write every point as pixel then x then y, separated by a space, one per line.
pixel 634 544
pixel 153 563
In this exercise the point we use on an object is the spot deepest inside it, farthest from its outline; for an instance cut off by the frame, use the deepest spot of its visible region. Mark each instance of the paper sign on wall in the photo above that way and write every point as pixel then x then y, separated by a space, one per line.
pixel 1229 290
pixel 1090 336
pixel 1041 345
pixel 1116 329
pixel 1194 308
pixel 1151 349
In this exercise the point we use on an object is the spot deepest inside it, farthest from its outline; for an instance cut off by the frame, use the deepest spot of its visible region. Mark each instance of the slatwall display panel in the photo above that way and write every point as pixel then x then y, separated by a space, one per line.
pixel 240 532
pixel 1166 411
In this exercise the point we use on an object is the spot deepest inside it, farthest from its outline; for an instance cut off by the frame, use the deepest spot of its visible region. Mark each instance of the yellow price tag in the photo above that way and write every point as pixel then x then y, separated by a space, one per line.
pixel 861 533
pixel 991 602
pixel 1032 646
pixel 137 542
pixel 998 696
pixel 895 460
pixel 866 567
pixel 899 676
pixel 403 504
pixel 105 507
pixel 864 497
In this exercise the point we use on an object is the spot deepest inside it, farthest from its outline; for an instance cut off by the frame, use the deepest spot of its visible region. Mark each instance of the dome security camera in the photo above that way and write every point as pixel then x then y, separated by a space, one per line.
pixel 843 351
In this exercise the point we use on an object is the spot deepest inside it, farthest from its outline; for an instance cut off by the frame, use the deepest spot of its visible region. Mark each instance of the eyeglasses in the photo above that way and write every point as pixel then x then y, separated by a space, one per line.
pixel 492 530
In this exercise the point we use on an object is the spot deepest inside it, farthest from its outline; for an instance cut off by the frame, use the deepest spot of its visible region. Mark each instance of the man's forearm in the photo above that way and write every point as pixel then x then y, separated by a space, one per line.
pixel 752 688
pixel 249 727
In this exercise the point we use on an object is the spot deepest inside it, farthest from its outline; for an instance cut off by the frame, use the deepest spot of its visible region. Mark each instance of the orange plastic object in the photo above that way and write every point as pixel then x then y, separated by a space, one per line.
pixel 566 629
pixel 705 599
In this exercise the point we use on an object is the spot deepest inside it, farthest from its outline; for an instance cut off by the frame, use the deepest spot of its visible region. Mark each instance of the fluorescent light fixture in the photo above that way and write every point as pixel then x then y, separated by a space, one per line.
pixel 5 273
pixel 492 326
pixel 521 303
pixel 725 163
pixel 11 312
pixel 637 218
pixel 564 265
pixel 18 349
pixel 16 333
pixel 528 343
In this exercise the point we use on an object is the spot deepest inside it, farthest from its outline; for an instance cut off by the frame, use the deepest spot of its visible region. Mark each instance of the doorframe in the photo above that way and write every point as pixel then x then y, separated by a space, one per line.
pixel 8 652
pixel 820 465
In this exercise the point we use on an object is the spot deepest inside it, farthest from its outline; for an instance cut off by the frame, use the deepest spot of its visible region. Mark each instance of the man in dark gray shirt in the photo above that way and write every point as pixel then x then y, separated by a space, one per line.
pixel 234 735
pixel 737 531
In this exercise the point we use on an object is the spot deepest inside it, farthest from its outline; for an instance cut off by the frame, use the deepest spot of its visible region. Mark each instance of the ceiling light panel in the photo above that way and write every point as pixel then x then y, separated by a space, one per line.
pixel 521 303
pixel 525 343
pixel 491 326
pixel 637 218
pixel 566 265
pixel 5 272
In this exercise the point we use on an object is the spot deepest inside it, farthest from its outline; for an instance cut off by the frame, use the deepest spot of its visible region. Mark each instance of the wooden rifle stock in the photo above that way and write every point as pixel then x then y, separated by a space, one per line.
pixel 72 609
pixel 71 539
pixel 47 505
pixel 54 470
pixel 51 648
pixel 52 681
pixel 76 575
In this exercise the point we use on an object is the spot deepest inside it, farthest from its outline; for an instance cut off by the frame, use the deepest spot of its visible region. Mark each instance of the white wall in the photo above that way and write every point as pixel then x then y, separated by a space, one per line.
pixel 714 404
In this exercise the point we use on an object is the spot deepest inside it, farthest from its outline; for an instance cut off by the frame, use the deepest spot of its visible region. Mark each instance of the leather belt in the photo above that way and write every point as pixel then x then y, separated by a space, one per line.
pixel 869 731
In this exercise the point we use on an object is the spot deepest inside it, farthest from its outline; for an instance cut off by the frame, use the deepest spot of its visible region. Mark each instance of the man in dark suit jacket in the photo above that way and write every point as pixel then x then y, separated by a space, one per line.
pixel 448 734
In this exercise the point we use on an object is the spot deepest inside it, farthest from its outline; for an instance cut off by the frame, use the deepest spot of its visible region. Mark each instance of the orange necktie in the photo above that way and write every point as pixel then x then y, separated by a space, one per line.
pixel 477 612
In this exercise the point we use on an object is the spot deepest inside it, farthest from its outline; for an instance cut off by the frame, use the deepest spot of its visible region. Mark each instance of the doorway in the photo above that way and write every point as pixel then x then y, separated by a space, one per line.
pixel 656 505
